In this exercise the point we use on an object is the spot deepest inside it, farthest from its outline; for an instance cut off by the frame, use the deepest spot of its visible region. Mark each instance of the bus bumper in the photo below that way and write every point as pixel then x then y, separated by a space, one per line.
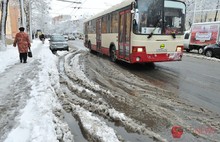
pixel 162 57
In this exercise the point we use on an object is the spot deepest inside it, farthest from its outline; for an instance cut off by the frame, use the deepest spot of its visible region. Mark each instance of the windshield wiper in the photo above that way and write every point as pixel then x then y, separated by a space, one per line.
pixel 156 26
pixel 173 34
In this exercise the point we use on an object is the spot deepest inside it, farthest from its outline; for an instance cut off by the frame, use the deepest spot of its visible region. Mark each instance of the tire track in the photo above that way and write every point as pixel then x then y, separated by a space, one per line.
pixel 148 110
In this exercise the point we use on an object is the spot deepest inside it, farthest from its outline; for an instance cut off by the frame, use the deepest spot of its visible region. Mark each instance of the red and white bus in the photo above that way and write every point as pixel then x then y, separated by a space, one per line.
pixel 138 31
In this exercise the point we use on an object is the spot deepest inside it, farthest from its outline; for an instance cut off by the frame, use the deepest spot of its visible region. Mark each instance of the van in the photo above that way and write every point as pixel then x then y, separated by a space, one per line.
pixel 203 34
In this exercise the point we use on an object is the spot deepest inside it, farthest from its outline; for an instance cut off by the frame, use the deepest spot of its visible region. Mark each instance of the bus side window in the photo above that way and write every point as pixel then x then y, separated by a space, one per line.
pixel 104 24
pixel 114 22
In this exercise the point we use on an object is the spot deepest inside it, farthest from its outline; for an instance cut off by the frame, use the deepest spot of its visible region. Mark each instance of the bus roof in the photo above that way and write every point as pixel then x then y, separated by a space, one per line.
pixel 113 8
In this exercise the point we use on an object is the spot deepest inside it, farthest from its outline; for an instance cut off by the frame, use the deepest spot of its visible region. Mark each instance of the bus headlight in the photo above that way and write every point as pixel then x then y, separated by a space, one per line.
pixel 179 48
pixel 136 49
pixel 140 50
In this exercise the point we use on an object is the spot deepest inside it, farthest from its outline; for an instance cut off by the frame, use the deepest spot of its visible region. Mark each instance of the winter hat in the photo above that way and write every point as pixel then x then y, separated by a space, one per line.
pixel 21 28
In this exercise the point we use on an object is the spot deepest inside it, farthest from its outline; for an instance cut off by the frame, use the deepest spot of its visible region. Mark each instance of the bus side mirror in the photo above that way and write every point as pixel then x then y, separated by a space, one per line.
pixel 133 7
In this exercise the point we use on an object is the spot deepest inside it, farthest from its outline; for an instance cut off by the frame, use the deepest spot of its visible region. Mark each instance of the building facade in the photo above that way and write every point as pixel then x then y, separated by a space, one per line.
pixel 13 19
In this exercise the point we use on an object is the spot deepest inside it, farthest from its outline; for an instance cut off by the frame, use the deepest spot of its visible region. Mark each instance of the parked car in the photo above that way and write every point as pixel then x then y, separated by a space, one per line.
pixel 58 42
pixel 66 37
pixel 71 37
pixel 212 50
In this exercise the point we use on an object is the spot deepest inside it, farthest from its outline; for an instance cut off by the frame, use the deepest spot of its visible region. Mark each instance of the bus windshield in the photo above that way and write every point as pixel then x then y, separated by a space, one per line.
pixel 159 17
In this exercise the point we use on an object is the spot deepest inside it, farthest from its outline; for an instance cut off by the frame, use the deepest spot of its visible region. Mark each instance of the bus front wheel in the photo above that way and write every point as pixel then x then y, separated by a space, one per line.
pixel 113 54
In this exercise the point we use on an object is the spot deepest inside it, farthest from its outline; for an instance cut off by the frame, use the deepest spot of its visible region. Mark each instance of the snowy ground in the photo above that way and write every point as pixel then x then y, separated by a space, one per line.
pixel 36 97
pixel 27 97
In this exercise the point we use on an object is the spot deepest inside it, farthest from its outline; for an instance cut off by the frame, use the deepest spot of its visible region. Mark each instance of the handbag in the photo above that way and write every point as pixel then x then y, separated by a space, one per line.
pixel 29 53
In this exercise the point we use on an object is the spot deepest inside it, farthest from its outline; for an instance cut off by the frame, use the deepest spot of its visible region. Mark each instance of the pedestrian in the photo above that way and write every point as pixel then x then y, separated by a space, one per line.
pixel 42 38
pixel 23 42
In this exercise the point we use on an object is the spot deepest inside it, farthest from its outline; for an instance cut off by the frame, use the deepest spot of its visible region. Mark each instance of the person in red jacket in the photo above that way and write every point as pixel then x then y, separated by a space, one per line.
pixel 23 42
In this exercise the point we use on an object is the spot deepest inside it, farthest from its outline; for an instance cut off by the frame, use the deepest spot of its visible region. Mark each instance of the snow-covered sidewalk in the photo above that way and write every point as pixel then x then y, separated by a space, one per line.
pixel 36 120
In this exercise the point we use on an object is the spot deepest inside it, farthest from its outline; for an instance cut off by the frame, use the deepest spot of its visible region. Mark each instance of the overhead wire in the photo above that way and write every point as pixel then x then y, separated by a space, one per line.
pixel 75 10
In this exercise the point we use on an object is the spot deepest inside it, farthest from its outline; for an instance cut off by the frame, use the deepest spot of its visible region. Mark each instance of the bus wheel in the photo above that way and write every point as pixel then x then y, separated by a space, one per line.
pixel 113 54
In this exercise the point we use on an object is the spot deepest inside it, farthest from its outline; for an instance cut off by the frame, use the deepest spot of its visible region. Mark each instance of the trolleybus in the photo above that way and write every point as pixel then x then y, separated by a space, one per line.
pixel 138 31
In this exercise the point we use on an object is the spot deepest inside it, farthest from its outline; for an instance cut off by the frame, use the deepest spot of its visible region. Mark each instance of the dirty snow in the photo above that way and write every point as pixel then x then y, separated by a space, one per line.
pixel 41 118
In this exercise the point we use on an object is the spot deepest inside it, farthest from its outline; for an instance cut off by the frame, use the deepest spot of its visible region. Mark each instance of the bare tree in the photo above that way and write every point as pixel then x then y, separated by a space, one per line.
pixel 36 12
pixel 4 12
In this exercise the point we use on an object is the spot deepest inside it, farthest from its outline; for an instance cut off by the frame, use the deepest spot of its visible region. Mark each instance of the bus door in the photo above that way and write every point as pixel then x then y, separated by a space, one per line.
pixel 98 35
pixel 124 34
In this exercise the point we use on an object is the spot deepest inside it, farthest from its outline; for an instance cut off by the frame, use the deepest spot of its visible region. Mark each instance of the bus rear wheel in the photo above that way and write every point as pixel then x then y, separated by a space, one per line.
pixel 113 54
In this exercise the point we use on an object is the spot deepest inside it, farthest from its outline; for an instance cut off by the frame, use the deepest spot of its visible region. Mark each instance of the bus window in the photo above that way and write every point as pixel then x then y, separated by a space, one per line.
pixel 86 28
pixel 109 23
pixel 173 15
pixel 128 27
pixel 148 18
pixel 104 24
pixel 114 22
pixel 121 29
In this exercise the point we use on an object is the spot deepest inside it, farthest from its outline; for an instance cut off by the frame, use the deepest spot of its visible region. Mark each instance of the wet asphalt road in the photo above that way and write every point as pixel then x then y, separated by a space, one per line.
pixel 196 80
pixel 193 79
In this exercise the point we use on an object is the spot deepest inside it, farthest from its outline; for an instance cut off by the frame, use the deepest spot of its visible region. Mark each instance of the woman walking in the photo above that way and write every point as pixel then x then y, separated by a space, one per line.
pixel 23 42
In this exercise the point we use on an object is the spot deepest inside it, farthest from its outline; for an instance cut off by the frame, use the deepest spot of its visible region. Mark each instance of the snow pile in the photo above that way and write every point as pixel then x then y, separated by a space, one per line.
pixel 8 57
pixel 37 123
pixel 97 129
pixel 78 71
pixel 202 57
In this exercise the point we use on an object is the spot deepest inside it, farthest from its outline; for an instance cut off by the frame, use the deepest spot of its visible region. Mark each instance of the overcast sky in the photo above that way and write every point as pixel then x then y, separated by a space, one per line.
pixel 88 7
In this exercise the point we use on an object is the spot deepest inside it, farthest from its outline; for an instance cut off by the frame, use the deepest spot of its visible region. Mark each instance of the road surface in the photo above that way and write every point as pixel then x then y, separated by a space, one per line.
pixel 151 99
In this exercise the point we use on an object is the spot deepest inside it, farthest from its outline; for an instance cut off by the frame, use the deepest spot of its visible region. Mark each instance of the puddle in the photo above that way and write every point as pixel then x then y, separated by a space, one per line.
pixel 128 137
pixel 74 127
